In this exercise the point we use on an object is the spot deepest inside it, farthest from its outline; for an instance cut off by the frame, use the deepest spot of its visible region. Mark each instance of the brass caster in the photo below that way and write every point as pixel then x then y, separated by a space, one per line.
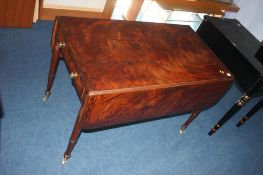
pixel 181 131
pixel 47 94
pixel 64 160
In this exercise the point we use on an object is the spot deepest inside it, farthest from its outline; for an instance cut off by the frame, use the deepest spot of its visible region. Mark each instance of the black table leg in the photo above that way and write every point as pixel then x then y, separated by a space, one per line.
pixel 251 113
pixel 238 105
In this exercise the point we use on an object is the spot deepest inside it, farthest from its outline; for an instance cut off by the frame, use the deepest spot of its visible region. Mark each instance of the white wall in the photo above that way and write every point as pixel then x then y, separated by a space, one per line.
pixel 82 5
pixel 250 15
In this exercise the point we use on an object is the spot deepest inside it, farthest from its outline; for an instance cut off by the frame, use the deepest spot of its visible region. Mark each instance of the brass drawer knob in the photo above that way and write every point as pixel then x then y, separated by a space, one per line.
pixel 73 75
pixel 61 45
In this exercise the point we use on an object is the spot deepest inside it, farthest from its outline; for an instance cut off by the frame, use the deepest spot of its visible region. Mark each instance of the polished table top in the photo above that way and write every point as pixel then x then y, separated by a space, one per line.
pixel 123 56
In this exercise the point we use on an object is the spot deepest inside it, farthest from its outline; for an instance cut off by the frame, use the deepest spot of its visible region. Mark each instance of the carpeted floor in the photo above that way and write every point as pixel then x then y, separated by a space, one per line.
pixel 34 134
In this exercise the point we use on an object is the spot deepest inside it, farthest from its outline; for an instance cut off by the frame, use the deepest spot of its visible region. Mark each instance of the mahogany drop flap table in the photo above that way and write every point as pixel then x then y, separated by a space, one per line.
pixel 126 71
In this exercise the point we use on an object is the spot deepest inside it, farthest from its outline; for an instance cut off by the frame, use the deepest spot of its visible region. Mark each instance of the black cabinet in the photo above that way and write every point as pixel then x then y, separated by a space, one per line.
pixel 241 52
pixel 236 47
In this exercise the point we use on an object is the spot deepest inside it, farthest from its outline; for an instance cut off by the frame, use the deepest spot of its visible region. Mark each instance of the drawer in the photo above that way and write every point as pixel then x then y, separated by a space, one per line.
pixel 74 72
pixel 74 75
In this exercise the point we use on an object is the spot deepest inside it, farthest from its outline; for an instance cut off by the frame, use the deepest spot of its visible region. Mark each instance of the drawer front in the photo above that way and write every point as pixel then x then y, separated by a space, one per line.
pixel 74 75
pixel 74 72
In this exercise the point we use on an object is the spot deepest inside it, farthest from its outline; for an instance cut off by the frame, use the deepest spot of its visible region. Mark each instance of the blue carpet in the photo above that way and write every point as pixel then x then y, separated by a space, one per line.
pixel 34 134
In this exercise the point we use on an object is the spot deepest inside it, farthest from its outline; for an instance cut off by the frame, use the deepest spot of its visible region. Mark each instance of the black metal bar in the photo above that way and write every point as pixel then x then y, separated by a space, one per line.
pixel 225 118
pixel 238 105
pixel 251 113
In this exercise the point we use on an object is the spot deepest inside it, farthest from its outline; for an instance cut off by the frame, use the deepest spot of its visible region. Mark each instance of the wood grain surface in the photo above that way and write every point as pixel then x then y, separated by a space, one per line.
pixel 16 13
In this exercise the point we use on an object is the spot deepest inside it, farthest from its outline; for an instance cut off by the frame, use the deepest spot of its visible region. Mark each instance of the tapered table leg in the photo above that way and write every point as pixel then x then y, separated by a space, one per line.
pixel 237 106
pixel 74 136
pixel 251 113
pixel 52 69
pixel 188 121
pixel 72 141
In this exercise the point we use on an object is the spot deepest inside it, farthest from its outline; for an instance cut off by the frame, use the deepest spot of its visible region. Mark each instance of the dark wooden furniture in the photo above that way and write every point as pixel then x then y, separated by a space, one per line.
pixel 127 71
pixel 237 48
pixel 17 13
